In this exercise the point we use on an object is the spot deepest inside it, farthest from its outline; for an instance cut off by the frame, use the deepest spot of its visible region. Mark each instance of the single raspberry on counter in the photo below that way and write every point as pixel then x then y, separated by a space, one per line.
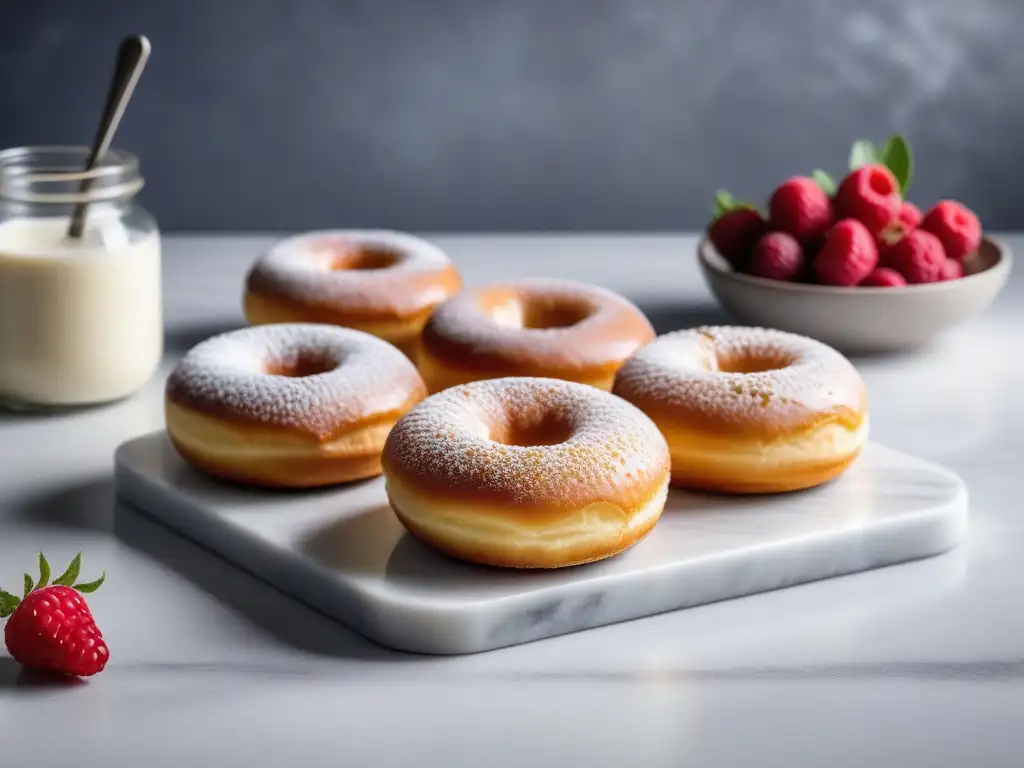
pixel 800 208
pixel 951 270
pixel 848 256
pixel 919 257
pixel 51 627
pixel 884 277
pixel 909 216
pixel 735 232
pixel 871 195
pixel 777 256
pixel 956 226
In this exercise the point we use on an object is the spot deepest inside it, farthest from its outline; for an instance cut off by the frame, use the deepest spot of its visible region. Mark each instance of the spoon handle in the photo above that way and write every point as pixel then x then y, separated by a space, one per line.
pixel 131 60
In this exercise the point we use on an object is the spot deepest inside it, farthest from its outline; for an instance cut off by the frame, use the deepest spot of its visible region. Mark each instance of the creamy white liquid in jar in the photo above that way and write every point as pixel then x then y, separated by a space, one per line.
pixel 81 317
pixel 81 320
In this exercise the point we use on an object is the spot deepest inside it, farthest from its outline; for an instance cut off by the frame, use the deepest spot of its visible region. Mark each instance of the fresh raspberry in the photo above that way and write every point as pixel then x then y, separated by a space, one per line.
pixel 951 270
pixel 884 277
pixel 777 256
pixel 735 232
pixel 956 226
pixel 909 216
pixel 52 628
pixel 848 255
pixel 907 220
pixel 800 208
pixel 918 257
pixel 870 195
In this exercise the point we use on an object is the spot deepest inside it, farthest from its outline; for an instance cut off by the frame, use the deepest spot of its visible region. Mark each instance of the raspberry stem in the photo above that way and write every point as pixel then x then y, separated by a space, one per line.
pixel 44 572
pixel 9 602
pixel 91 586
pixel 725 202
pixel 67 578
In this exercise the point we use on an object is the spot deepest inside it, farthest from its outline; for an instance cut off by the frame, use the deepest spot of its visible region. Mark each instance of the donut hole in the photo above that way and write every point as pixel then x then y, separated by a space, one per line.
pixel 547 429
pixel 752 361
pixel 300 365
pixel 363 257
pixel 541 313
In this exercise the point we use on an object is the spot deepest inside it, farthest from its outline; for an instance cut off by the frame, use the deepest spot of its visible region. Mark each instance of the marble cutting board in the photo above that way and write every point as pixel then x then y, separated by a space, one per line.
pixel 343 552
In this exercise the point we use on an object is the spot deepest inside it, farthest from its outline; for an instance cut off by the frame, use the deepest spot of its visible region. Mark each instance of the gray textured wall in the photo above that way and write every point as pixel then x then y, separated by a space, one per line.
pixel 520 114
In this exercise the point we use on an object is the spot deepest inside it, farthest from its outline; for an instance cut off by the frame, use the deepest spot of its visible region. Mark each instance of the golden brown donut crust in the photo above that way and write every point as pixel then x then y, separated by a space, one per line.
pixel 532 328
pixel 512 553
pixel 526 472
pixel 252 455
pixel 377 281
pixel 749 410
pixel 293 405
pixel 725 464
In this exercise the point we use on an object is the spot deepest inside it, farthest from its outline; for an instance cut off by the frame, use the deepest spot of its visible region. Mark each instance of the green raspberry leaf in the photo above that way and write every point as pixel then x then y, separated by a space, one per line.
pixel 44 572
pixel 896 156
pixel 725 202
pixel 826 182
pixel 67 578
pixel 29 584
pixel 862 153
pixel 91 586
pixel 8 603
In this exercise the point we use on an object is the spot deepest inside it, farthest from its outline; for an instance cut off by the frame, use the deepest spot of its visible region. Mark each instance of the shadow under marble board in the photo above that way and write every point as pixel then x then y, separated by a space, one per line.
pixel 343 552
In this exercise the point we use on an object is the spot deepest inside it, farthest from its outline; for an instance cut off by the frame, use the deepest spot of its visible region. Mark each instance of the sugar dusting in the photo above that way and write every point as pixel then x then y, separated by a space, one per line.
pixel 609 332
pixel 681 370
pixel 611 445
pixel 302 268
pixel 226 375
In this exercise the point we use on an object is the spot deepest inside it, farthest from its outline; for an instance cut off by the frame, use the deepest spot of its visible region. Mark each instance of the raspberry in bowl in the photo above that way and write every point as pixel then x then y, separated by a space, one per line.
pixel 855 264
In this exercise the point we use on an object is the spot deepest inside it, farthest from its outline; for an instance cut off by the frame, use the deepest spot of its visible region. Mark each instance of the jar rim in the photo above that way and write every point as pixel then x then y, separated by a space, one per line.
pixel 58 174
pixel 16 161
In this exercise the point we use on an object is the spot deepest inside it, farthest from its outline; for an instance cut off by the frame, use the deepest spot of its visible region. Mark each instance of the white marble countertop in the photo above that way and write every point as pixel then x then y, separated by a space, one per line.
pixel 919 664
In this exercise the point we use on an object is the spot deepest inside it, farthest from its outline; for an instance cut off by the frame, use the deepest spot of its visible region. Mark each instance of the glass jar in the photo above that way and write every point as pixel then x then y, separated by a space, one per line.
pixel 81 318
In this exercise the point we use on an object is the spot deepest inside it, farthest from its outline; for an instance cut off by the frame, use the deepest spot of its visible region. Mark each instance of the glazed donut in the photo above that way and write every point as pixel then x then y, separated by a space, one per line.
pixel 526 473
pixel 289 405
pixel 381 282
pixel 543 328
pixel 749 410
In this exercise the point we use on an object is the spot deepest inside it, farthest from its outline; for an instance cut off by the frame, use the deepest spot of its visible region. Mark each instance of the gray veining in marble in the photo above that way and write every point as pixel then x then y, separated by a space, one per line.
pixel 344 552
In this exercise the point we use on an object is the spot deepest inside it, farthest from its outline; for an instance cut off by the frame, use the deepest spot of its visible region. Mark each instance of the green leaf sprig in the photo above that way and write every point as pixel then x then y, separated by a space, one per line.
pixel 894 154
pixel 826 182
pixel 9 602
pixel 725 202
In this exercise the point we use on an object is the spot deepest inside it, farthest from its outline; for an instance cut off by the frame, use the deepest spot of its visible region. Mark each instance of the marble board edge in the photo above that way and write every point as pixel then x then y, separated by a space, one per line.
pixel 527 618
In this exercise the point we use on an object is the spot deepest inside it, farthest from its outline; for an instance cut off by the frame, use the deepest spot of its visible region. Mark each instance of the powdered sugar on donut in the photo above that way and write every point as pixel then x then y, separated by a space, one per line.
pixel 611 448
pixel 682 370
pixel 303 269
pixel 488 321
pixel 226 375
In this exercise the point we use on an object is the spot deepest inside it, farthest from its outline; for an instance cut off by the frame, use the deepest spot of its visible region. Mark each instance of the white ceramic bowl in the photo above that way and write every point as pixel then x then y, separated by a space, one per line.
pixel 859 320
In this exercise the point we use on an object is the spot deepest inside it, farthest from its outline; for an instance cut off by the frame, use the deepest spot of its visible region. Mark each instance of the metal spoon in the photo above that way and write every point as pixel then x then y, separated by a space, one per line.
pixel 131 60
